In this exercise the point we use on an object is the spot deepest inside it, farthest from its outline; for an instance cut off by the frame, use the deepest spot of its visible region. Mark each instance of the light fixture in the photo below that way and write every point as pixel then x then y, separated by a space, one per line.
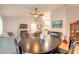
pixel 36 25
pixel 37 13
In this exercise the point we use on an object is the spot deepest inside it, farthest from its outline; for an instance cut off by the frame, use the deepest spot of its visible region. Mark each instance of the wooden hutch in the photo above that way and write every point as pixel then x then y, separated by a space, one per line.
pixel 74 30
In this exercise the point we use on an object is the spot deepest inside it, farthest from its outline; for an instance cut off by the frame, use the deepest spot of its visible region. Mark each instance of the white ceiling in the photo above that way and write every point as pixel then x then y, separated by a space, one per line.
pixel 20 10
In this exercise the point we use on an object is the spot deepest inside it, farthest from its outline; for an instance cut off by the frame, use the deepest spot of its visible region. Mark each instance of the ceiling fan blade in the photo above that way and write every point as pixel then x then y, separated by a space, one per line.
pixel 41 14
pixel 27 14
pixel 30 13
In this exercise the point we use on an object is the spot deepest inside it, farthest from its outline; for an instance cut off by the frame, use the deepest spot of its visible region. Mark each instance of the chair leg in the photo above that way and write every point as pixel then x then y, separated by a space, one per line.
pixel 20 50
pixel 72 48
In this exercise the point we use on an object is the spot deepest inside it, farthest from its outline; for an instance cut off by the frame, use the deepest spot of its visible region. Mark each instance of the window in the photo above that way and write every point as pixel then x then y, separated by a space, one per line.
pixel 33 27
pixel 1 25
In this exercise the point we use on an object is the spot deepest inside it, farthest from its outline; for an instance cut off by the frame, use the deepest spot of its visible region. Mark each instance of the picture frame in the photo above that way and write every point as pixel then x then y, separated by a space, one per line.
pixel 23 26
pixel 57 24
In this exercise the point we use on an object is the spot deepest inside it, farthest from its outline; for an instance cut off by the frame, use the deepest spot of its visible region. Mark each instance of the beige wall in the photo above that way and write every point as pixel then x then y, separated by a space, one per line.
pixel 12 24
pixel 72 15
pixel 67 14
pixel 59 14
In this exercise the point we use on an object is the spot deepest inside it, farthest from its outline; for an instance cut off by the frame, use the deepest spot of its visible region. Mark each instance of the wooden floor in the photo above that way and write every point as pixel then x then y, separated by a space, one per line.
pixel 77 49
pixel 65 47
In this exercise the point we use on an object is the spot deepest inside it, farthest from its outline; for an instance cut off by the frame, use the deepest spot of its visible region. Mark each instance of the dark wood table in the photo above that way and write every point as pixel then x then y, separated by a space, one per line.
pixel 35 45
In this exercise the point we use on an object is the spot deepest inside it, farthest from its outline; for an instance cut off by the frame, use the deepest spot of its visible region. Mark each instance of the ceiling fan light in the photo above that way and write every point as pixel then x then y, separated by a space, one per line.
pixel 35 15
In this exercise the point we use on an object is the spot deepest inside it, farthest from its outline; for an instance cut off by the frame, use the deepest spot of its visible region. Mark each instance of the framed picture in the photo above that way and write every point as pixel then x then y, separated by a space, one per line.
pixel 22 26
pixel 57 24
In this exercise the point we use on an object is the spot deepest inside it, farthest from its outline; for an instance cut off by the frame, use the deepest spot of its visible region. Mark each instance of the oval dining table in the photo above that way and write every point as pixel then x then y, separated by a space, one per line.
pixel 36 45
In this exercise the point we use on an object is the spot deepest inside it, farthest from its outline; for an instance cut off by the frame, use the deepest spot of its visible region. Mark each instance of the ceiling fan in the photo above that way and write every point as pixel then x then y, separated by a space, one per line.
pixel 36 13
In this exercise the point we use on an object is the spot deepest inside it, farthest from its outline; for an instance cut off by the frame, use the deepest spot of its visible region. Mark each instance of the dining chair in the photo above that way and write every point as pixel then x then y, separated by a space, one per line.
pixel 72 45
pixel 10 33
